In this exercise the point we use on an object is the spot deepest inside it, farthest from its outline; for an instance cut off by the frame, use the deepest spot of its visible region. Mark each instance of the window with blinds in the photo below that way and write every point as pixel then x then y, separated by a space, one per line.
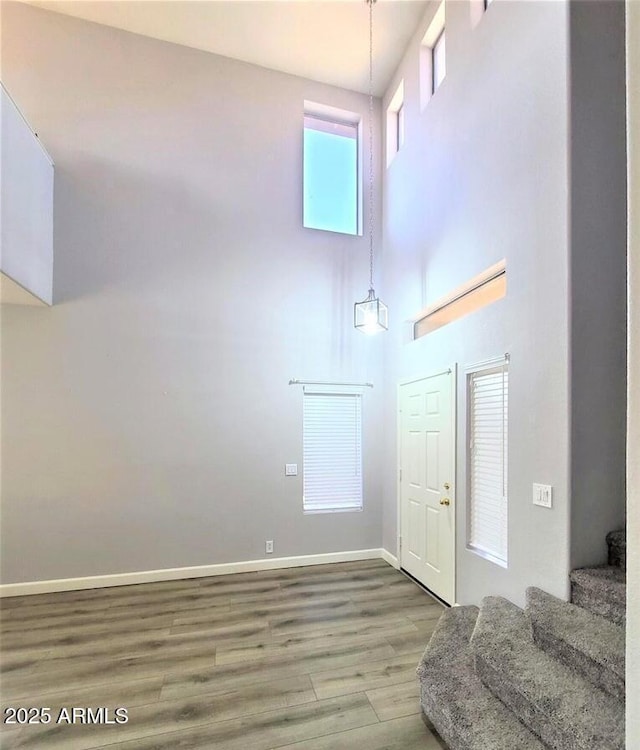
pixel 487 406
pixel 332 452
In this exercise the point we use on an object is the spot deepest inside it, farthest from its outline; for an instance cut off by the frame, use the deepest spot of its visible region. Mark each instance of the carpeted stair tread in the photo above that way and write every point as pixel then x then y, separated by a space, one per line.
pixel 466 715
pixel 617 544
pixel 601 590
pixel 587 643
pixel 559 705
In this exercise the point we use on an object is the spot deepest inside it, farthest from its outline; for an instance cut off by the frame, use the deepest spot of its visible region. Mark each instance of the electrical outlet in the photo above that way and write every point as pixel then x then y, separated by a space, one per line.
pixel 542 495
pixel 291 470
pixel 268 546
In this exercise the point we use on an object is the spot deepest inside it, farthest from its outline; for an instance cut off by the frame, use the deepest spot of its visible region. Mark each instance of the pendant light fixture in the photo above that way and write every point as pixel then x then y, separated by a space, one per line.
pixel 371 315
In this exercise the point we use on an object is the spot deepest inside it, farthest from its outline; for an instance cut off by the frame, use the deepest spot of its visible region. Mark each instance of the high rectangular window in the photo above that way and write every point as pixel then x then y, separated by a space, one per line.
pixel 400 127
pixel 395 123
pixel 330 175
pixel 439 62
pixel 486 288
pixel 487 425
pixel 433 64
pixel 332 452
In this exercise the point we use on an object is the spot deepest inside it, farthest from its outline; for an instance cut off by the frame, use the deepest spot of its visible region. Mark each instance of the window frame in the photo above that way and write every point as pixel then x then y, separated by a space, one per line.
pixel 315 507
pixel 484 289
pixel 328 119
pixel 440 40
pixel 495 364
pixel 434 35
pixel 395 120
pixel 400 127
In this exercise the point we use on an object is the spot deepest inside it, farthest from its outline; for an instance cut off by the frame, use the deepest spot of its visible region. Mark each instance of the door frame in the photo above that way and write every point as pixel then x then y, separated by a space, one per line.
pixel 453 370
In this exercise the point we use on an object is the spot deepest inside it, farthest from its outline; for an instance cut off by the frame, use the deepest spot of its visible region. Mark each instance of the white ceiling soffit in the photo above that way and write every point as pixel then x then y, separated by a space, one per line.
pixel 325 40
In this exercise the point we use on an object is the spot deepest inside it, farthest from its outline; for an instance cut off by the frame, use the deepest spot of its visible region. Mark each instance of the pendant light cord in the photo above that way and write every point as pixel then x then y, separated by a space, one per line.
pixel 370 2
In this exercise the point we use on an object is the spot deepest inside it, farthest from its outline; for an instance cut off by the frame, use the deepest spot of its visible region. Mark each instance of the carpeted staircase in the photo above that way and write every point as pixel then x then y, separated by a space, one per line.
pixel 549 677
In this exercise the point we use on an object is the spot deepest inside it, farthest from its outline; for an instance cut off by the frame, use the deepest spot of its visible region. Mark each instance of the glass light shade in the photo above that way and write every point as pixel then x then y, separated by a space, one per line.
pixel 371 315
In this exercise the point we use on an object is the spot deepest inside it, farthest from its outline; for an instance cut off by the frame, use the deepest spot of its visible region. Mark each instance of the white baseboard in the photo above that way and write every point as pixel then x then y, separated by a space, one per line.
pixel 391 559
pixel 198 571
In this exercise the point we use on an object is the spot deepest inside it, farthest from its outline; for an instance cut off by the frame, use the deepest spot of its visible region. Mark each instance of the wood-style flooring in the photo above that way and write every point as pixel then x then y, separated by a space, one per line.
pixel 315 658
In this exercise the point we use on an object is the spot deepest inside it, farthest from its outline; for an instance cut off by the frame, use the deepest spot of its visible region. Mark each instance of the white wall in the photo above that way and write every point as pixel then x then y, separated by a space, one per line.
pixel 483 176
pixel 633 435
pixel 147 416
pixel 26 204
pixel 520 154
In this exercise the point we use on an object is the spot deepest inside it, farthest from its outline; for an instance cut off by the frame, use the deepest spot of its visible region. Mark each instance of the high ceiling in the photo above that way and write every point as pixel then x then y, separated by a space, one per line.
pixel 326 40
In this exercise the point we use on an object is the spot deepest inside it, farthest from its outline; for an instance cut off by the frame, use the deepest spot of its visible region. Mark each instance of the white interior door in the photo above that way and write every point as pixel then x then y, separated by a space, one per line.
pixel 427 475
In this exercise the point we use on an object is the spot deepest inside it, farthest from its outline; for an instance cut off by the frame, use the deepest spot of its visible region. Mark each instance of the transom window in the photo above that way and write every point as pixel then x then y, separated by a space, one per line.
pixel 395 123
pixel 433 52
pixel 439 62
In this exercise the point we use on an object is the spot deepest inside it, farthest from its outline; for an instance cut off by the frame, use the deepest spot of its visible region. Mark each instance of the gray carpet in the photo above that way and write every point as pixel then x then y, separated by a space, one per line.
pixel 587 643
pixel 548 678
pixel 602 591
pixel 463 711
pixel 555 702
pixel 617 543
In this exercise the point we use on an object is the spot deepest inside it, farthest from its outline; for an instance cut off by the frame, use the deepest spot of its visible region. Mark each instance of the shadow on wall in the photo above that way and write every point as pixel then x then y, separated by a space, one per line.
pixel 116 226
pixel 217 255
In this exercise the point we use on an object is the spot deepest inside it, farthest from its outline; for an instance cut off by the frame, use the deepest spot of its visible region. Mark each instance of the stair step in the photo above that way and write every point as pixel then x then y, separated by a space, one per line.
pixel 560 706
pixel 466 715
pixel 617 543
pixel 584 642
pixel 602 591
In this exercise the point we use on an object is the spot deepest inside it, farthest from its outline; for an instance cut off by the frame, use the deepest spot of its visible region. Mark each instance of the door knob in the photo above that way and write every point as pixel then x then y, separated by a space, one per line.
pixel 445 501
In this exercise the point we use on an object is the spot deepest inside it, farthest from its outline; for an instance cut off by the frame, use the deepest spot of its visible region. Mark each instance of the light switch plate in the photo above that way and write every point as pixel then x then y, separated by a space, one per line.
pixel 291 470
pixel 543 495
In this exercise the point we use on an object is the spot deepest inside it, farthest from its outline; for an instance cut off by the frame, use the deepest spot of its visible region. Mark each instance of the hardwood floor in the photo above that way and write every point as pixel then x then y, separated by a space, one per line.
pixel 316 658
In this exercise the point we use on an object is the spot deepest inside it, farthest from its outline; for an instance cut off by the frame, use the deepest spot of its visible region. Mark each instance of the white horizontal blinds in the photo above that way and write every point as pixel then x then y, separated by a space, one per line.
pixel 332 452
pixel 488 502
